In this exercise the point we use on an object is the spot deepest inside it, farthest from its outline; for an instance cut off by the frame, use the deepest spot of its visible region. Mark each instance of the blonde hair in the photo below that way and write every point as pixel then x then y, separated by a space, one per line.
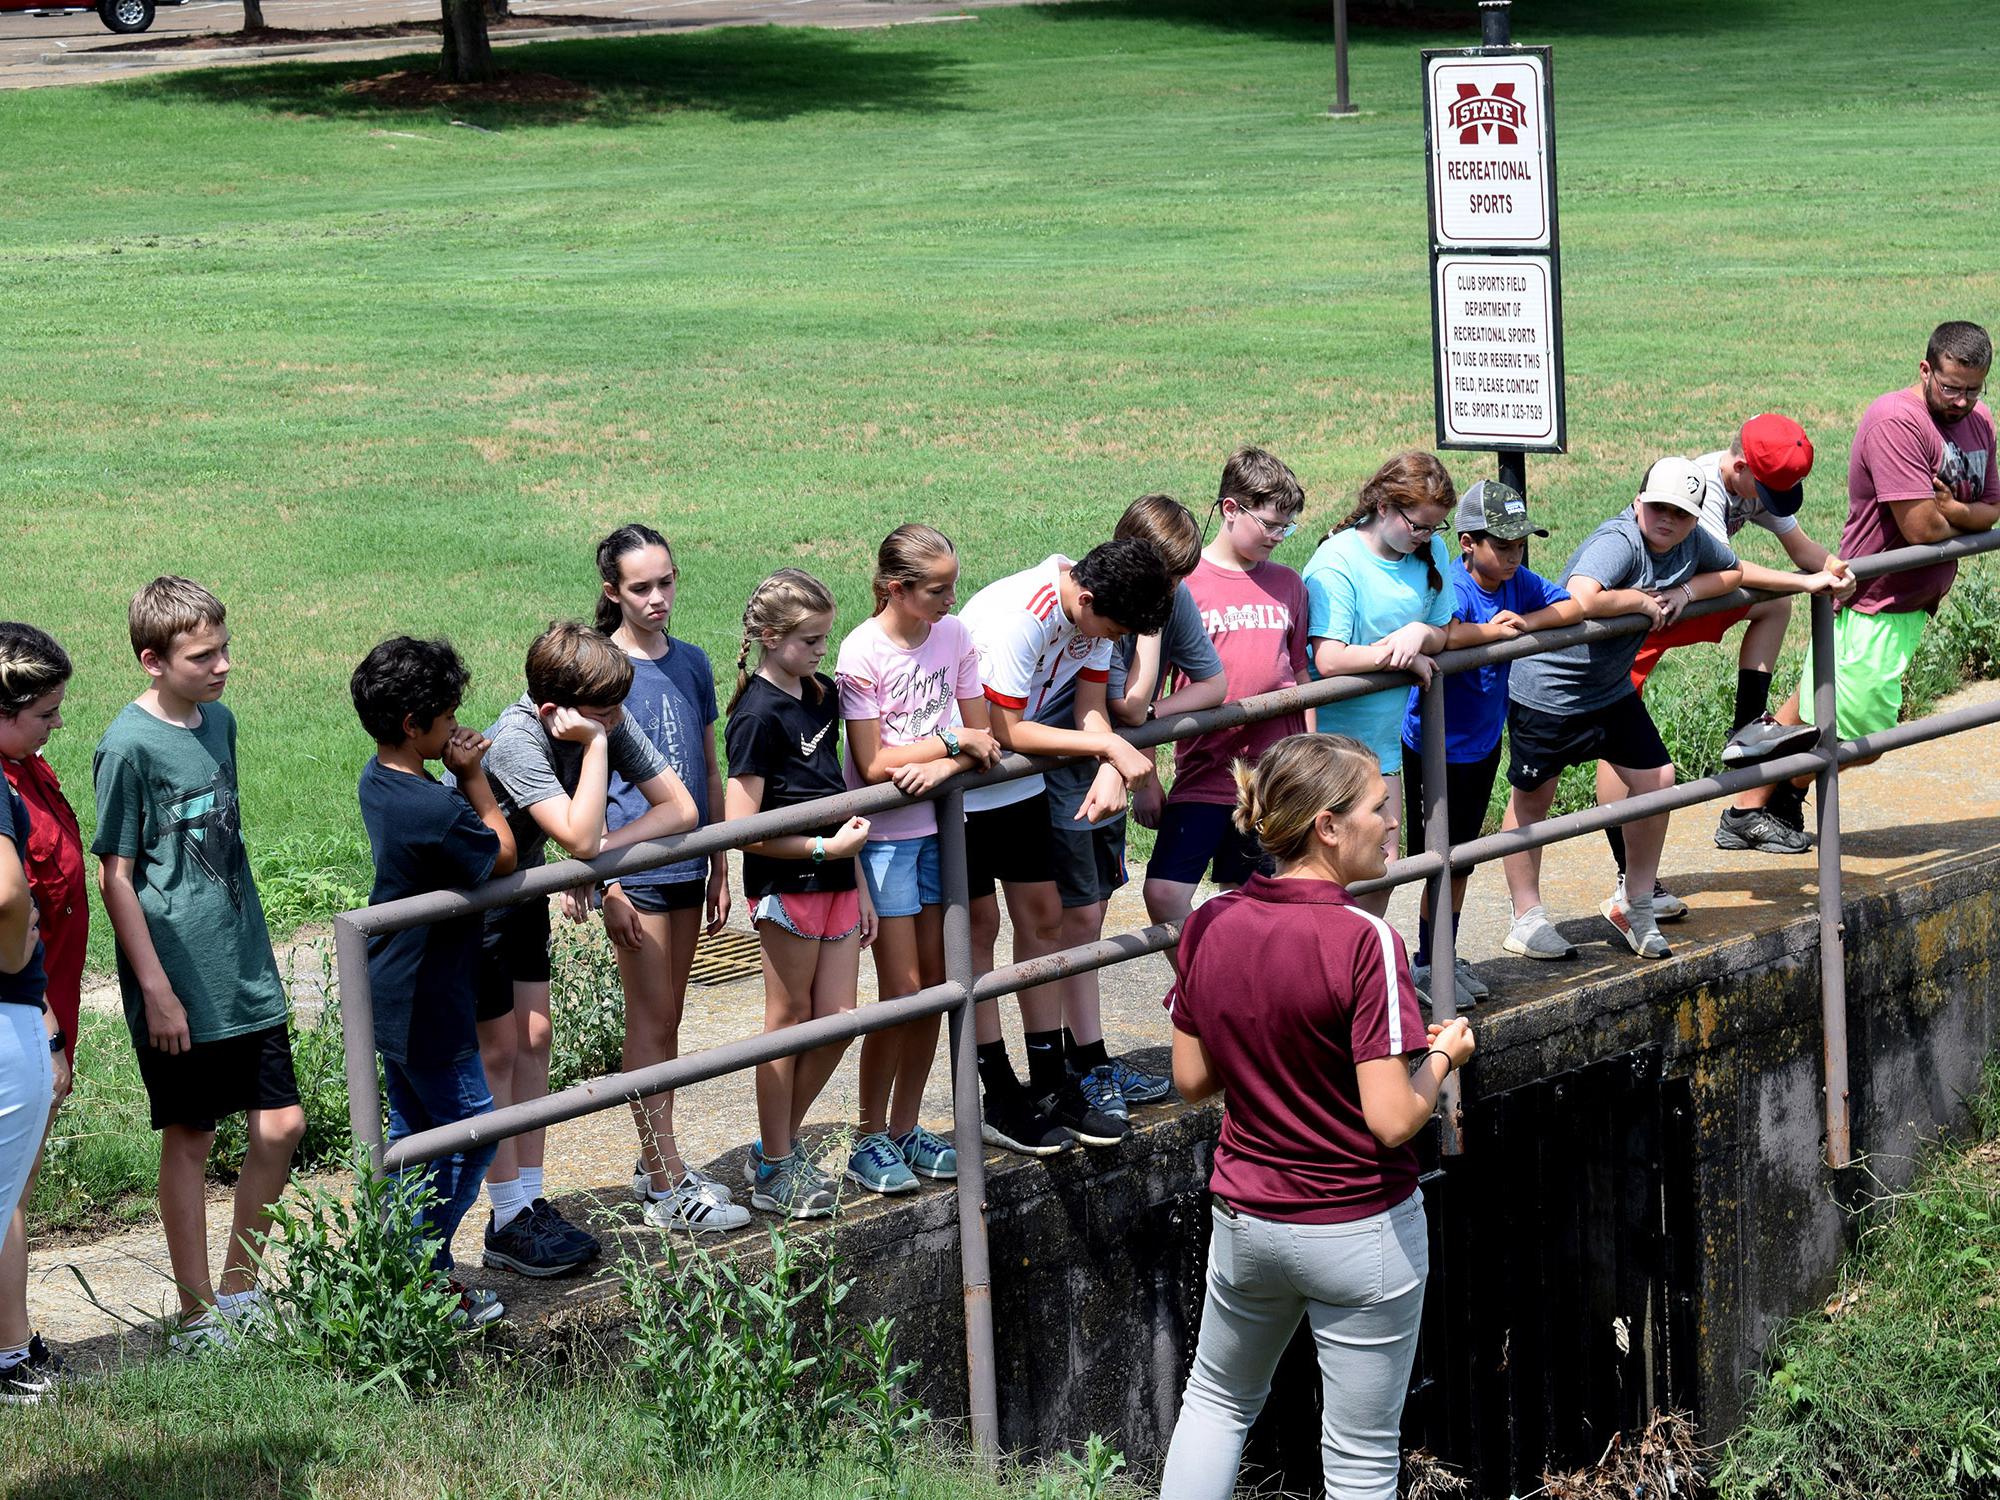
pixel 169 607
pixel 1168 527
pixel 778 606
pixel 906 556
pixel 1295 781
pixel 32 666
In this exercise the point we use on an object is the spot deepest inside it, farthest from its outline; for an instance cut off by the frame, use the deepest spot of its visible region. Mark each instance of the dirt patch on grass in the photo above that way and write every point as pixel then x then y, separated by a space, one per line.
pixel 290 36
pixel 414 88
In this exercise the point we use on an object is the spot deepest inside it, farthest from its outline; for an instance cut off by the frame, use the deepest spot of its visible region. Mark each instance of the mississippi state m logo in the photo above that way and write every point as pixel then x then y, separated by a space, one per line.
pixel 1499 114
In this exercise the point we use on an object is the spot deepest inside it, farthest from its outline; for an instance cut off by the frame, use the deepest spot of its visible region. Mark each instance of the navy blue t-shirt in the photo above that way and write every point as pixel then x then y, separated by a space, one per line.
pixel 1475 702
pixel 671 702
pixel 425 837
pixel 26 987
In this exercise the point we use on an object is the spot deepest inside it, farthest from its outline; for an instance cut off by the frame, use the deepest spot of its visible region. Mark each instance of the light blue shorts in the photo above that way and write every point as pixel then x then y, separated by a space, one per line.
pixel 903 875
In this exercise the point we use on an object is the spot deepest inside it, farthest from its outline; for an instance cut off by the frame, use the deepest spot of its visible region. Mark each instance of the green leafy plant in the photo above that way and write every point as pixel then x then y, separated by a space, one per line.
pixel 351 1289
pixel 888 1424
pixel 586 1006
pixel 1088 1475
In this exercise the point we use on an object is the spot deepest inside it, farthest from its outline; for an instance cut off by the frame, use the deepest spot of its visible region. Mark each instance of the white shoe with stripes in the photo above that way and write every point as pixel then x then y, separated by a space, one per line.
pixel 690 1206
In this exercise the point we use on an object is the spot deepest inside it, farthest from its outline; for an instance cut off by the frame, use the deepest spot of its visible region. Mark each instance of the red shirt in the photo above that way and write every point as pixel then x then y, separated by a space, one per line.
pixel 55 878
pixel 1288 984
pixel 1257 620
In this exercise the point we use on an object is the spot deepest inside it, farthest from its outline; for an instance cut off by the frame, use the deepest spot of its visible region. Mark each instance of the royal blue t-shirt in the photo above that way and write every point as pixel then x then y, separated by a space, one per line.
pixel 1475 702
pixel 671 702
pixel 26 987
pixel 425 837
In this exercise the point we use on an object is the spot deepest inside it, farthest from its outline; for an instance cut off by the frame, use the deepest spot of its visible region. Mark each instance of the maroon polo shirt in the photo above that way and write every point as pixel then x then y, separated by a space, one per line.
pixel 1288 984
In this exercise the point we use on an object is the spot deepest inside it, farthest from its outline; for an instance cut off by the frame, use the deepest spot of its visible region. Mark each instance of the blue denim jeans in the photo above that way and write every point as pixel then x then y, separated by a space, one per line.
pixel 420 1098
pixel 1361 1286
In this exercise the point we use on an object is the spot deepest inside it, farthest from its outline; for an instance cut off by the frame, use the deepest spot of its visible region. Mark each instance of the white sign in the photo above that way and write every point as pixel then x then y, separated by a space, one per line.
pixel 1498 377
pixel 1490 150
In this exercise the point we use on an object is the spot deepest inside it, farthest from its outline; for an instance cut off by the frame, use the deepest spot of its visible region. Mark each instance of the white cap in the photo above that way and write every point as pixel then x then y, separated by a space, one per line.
pixel 1676 482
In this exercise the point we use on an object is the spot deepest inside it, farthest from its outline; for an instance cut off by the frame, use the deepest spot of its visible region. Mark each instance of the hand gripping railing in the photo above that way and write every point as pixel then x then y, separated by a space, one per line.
pixel 962 989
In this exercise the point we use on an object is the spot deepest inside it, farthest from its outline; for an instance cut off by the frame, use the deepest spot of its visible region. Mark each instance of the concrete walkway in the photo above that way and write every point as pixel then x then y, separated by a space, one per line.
pixel 1915 815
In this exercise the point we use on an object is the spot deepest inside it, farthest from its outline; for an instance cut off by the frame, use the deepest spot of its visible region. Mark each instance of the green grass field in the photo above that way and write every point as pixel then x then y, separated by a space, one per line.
pixel 776 291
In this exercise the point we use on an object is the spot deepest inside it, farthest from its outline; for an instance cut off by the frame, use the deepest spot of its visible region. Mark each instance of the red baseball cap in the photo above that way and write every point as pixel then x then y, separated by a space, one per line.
pixel 1780 456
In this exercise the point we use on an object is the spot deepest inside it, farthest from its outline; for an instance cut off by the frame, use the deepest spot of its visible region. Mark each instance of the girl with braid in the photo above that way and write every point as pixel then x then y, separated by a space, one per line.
pixel 807 898
pixel 1377 602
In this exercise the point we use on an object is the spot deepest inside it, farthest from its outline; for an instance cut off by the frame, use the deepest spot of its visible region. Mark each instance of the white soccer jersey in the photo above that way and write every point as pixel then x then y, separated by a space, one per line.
pixel 1723 512
pixel 1028 648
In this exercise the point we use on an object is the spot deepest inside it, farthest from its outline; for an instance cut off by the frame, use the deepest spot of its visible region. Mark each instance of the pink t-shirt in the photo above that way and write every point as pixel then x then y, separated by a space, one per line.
pixel 1898 448
pixel 912 693
pixel 1257 620
pixel 1288 985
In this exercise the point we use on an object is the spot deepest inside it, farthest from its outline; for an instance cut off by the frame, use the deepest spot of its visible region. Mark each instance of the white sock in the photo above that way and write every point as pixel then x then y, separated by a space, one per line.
pixel 531 1183
pixel 509 1200
pixel 230 1301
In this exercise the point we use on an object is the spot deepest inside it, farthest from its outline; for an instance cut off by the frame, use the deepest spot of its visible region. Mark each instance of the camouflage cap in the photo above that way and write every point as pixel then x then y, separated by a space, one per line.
pixel 1498 510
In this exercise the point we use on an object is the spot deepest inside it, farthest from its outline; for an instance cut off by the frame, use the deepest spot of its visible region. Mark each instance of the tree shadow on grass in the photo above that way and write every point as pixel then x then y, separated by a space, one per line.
pixel 752 74
pixel 1438 22
pixel 277 1465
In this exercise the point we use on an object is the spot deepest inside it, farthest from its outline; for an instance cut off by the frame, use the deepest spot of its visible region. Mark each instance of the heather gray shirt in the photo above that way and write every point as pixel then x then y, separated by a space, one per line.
pixel 527 765
pixel 1577 679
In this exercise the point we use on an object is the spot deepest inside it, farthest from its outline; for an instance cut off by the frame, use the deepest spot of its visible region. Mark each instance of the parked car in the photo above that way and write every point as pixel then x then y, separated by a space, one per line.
pixel 117 15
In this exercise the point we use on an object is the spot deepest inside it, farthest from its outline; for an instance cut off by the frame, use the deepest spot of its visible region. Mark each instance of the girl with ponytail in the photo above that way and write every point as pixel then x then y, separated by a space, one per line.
pixel 1378 603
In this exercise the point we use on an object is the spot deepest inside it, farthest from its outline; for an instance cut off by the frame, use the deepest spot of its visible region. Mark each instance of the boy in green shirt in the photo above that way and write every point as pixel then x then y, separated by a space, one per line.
pixel 200 983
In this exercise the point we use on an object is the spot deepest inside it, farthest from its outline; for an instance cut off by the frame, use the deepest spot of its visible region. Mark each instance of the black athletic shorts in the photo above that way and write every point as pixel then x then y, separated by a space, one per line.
pixel 1543 745
pixel 213 1080
pixel 1014 844
pixel 1089 860
pixel 1467 790
pixel 1198 836
pixel 513 948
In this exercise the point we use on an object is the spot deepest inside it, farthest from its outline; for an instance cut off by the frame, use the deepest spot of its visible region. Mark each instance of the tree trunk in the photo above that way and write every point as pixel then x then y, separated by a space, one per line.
pixel 253 15
pixel 496 10
pixel 468 54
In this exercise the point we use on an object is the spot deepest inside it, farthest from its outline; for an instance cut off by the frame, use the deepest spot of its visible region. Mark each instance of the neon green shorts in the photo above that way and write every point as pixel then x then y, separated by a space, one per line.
pixel 1870 655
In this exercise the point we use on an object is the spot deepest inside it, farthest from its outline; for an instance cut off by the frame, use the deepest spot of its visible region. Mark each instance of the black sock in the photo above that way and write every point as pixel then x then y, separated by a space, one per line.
pixel 1045 1061
pixel 1083 1056
pixel 1753 697
pixel 1615 837
pixel 996 1072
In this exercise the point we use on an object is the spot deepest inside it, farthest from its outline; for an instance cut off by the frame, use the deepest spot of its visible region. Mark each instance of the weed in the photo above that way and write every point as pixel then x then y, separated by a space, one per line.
pixel 351 1286
pixel 586 1006
pixel 1087 1475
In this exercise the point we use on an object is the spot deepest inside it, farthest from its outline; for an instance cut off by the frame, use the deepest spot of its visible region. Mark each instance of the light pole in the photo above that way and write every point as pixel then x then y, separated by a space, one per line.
pixel 1342 105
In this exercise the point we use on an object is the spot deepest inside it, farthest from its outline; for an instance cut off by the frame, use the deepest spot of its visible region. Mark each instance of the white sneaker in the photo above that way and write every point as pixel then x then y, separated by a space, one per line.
pixel 208 1331
pixel 1667 907
pixel 690 1207
pixel 642 1185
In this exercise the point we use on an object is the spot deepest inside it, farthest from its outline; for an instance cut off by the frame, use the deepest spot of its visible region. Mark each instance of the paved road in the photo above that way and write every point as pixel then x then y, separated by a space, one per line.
pixel 27 39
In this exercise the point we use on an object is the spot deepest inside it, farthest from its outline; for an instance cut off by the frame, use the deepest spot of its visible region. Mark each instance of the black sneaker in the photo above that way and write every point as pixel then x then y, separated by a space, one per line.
pixel 1764 738
pixel 583 1239
pixel 1084 1112
pixel 37 1378
pixel 1012 1120
pixel 532 1246
pixel 1755 828
pixel 1788 806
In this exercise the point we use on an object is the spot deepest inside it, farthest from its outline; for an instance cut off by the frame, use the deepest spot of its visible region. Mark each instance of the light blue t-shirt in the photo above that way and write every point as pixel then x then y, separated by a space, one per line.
pixel 1357 597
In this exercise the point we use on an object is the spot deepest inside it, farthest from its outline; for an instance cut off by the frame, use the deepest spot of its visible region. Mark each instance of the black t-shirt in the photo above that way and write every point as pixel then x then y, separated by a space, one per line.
pixel 794 744
pixel 425 837
pixel 26 987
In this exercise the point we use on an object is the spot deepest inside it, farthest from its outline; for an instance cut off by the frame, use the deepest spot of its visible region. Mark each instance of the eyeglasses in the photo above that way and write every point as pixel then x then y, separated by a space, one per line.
pixel 1957 392
pixel 1420 533
pixel 1277 530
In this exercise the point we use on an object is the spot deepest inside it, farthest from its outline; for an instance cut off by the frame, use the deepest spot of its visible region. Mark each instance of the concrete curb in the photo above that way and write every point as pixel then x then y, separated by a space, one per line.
pixel 145 58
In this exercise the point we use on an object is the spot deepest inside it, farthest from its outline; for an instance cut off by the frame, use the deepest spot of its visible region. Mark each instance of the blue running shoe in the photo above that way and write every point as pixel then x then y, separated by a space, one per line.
pixel 929 1154
pixel 1137 1085
pixel 878 1166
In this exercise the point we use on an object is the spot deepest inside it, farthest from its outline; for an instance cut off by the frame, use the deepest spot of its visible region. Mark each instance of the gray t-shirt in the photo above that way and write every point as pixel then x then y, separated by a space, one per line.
pixel 1185 648
pixel 1579 678
pixel 527 765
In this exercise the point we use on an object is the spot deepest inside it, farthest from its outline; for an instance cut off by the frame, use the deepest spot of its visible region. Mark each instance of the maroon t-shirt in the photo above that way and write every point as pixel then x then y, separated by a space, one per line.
pixel 1288 984
pixel 1898 448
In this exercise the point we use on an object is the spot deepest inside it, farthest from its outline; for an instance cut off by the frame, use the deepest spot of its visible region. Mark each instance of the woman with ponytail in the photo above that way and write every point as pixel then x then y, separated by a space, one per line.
pixel 1298 1006
pixel 1378 603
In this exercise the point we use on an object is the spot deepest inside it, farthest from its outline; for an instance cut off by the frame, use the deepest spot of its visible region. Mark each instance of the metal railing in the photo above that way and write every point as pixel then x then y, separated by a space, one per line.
pixel 962 988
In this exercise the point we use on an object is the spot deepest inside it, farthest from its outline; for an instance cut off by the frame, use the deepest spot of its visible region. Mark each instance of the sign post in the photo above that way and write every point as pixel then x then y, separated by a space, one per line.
pixel 1496 264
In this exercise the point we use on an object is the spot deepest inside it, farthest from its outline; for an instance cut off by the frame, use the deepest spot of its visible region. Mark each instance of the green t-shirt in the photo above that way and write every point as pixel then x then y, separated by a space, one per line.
pixel 166 800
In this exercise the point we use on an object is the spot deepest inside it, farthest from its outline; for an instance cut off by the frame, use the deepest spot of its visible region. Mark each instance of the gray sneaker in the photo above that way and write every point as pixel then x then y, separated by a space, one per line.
pixel 1462 996
pixel 1534 936
pixel 1468 981
pixel 1764 738
pixel 791 1187
pixel 1754 828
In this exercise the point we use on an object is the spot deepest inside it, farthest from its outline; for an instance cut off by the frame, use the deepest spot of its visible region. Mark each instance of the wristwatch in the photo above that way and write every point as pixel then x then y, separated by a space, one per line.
pixel 1152 712
pixel 819 850
pixel 58 1039
pixel 950 741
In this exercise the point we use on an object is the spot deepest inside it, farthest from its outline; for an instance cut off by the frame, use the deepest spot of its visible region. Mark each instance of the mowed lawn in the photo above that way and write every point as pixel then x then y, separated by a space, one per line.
pixel 775 291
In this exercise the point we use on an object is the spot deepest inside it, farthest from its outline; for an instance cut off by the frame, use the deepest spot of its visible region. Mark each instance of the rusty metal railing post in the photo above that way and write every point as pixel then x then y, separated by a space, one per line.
pixel 1437 840
pixel 357 1029
pixel 982 1392
pixel 1832 921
